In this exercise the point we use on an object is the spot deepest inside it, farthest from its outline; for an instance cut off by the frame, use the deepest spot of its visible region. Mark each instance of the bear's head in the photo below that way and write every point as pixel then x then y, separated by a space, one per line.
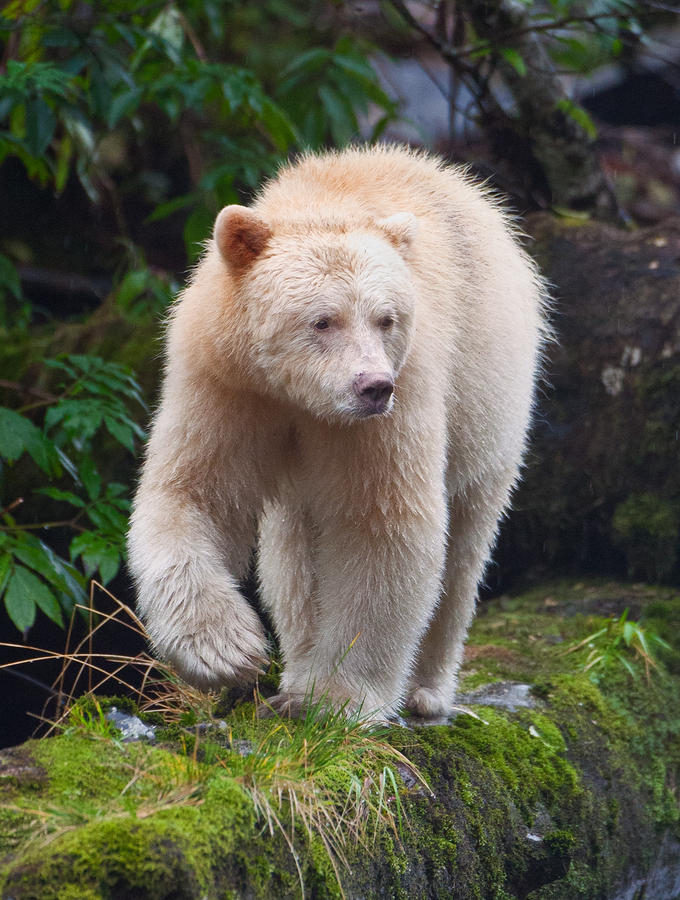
pixel 328 306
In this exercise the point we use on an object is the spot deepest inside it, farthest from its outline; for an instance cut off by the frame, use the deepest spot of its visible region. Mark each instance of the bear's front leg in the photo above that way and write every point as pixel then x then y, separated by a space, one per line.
pixel 377 584
pixel 195 616
pixel 192 531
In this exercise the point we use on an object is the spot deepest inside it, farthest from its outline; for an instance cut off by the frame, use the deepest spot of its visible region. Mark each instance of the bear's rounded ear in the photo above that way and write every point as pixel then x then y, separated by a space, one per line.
pixel 401 229
pixel 241 235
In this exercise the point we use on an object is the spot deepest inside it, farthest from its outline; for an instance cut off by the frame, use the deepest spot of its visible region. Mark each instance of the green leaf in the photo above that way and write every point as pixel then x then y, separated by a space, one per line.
pixel 36 555
pixel 197 229
pixel 108 562
pixel 628 666
pixel 121 432
pixel 90 478
pixel 308 62
pixel 49 604
pixel 58 494
pixel 278 125
pixel 341 120
pixel 97 553
pixel 579 115
pixel 9 277
pixel 20 598
pixel 351 63
pixel 515 59
pixel 168 26
pixel 100 89
pixel 63 163
pixel 15 430
pixel 134 284
pixel 81 543
pixel 163 210
pixel 60 37
pixel 32 555
pixel 67 575
pixel 108 519
pixel 40 126
pixel 43 452
pixel 19 434
pixel 5 569
pixel 123 105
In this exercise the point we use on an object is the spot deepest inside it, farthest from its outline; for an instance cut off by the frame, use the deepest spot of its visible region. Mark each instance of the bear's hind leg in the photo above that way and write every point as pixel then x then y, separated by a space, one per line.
pixel 474 516
pixel 287 587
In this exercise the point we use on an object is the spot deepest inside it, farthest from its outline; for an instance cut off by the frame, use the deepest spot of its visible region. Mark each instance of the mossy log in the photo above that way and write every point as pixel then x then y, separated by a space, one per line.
pixel 549 785
pixel 601 490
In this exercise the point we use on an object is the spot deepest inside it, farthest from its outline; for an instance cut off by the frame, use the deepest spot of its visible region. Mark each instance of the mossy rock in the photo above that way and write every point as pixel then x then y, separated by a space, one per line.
pixel 601 490
pixel 568 794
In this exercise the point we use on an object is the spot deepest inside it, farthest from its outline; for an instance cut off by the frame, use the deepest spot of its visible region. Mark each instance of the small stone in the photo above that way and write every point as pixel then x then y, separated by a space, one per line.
pixel 131 727
pixel 510 695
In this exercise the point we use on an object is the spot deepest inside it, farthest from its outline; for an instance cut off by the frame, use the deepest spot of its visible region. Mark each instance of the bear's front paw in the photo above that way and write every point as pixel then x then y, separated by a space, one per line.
pixel 430 703
pixel 232 650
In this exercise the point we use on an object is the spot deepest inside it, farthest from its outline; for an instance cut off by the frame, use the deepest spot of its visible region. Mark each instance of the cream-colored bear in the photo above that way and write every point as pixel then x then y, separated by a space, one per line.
pixel 350 375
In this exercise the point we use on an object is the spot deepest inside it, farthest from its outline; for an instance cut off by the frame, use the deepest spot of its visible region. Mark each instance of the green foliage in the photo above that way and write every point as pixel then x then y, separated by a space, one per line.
pixel 90 412
pixel 331 88
pixel 142 291
pixel 238 802
pixel 620 641
pixel 89 88
pixel 580 37
pixel 579 115
pixel 82 72
pixel 14 310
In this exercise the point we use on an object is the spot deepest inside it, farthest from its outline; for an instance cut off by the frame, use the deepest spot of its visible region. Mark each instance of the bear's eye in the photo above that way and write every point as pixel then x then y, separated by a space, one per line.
pixel 386 322
pixel 321 325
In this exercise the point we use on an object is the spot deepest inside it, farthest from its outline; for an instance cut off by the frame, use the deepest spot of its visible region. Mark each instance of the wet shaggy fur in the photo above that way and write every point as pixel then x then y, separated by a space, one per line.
pixel 349 382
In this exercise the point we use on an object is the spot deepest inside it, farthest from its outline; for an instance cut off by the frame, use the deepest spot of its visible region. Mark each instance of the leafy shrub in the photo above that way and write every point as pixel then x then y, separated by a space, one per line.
pixel 118 93
pixel 93 403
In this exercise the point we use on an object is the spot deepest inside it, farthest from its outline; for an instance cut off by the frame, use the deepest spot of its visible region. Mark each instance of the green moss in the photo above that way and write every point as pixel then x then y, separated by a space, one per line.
pixel 503 768
pixel 71 892
pixel 114 858
pixel 647 527
pixel 560 842
pixel 545 803
pixel 136 821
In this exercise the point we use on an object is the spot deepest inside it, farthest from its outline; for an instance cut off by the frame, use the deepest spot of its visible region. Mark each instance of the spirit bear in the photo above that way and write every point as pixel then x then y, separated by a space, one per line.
pixel 348 385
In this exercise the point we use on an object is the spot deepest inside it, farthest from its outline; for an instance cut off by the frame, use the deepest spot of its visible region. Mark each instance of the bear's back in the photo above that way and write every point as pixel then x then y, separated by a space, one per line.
pixel 372 182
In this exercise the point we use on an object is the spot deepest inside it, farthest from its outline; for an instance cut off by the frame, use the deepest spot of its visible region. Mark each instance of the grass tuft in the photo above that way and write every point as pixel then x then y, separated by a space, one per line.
pixel 621 641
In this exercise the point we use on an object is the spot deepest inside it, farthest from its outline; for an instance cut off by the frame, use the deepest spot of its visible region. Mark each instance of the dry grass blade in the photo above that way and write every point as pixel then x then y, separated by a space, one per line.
pixel 154 685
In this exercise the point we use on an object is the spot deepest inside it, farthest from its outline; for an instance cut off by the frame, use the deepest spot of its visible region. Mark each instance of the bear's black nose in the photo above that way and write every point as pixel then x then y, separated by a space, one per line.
pixel 374 391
